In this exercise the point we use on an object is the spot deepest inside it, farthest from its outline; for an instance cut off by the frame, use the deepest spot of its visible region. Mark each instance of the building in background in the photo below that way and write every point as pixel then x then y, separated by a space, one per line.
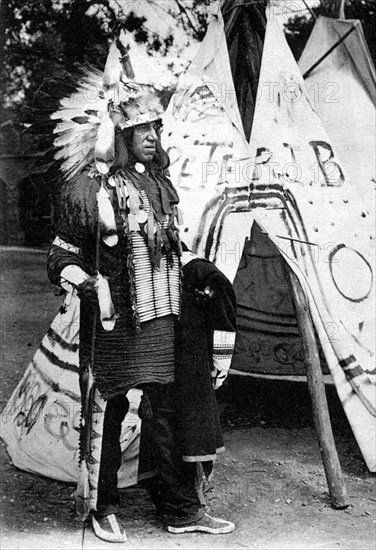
pixel 27 203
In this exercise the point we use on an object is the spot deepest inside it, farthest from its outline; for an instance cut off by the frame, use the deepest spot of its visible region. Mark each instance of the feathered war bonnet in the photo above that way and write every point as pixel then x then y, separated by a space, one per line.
pixel 87 119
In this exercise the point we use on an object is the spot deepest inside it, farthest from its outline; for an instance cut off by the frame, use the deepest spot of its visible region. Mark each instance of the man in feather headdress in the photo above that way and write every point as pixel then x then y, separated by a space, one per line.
pixel 118 245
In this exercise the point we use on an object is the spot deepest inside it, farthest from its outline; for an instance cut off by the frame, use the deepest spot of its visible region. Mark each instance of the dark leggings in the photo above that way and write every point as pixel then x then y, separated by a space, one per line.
pixel 173 488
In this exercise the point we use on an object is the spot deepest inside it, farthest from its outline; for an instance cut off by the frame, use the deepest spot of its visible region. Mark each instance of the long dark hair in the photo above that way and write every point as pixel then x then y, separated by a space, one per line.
pixel 123 151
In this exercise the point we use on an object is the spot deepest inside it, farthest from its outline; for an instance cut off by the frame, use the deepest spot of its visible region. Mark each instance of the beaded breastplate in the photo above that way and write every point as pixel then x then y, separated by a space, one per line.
pixel 157 288
pixel 154 266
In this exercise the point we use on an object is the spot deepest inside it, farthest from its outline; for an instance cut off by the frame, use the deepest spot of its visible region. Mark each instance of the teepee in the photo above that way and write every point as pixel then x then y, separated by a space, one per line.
pixel 343 92
pixel 40 423
pixel 288 180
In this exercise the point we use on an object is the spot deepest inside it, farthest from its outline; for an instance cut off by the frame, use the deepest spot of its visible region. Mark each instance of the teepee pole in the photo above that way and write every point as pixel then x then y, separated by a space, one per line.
pixel 316 388
pixel 310 10
pixel 308 72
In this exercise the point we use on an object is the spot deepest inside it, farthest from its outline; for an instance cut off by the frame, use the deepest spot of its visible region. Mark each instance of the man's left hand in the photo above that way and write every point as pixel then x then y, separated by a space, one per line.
pixel 204 296
pixel 218 377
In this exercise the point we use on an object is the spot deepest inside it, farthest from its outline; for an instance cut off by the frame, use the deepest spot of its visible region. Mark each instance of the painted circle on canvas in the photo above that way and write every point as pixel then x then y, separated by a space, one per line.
pixel 351 273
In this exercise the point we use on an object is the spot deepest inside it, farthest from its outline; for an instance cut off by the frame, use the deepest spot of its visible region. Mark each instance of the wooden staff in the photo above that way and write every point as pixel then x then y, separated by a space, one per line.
pixel 316 388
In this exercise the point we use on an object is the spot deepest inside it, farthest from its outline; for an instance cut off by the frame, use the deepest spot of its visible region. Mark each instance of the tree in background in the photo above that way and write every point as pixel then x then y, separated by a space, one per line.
pixel 42 42
pixel 39 39
pixel 45 42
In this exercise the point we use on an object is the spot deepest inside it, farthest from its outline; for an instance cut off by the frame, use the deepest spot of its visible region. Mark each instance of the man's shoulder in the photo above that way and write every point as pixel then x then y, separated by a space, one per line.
pixel 82 188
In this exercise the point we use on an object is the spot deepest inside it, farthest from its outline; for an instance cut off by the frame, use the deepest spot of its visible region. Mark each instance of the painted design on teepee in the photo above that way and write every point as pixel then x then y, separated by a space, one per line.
pixel 343 90
pixel 319 213
pixel 44 411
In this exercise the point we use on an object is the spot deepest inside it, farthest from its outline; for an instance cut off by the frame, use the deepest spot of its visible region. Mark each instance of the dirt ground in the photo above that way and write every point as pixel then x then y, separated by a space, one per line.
pixel 270 481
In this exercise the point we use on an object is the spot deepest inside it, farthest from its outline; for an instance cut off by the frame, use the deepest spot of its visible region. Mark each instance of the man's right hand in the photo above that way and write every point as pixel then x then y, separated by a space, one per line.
pixel 87 291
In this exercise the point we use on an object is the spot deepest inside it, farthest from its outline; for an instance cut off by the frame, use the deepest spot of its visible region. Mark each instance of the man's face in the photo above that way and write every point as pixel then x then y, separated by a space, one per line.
pixel 144 141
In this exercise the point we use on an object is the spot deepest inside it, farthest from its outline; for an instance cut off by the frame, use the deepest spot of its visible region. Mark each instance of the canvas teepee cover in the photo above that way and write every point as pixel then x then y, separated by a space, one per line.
pixel 343 91
pixel 40 423
pixel 290 180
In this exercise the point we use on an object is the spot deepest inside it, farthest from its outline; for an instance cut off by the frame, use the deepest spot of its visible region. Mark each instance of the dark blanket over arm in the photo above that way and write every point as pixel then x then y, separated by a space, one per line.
pixel 198 420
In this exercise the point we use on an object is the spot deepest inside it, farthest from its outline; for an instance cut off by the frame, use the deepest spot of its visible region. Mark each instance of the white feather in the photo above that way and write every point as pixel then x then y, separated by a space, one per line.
pixel 104 152
pixel 112 68
pixel 106 306
pixel 75 141
pixel 106 218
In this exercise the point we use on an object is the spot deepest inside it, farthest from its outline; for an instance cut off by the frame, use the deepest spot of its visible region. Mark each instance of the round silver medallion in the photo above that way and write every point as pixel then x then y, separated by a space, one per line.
pixel 142 216
pixel 139 167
